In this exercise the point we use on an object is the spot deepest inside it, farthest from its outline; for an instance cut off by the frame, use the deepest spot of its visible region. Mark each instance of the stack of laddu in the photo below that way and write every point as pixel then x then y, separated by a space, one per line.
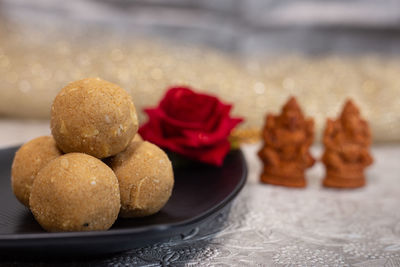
pixel 94 167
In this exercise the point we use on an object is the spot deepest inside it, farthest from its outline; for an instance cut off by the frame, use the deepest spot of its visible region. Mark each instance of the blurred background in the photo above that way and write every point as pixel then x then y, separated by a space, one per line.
pixel 252 53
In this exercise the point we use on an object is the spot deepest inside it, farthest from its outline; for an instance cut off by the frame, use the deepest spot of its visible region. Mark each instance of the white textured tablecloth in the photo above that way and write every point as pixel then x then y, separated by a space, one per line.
pixel 276 226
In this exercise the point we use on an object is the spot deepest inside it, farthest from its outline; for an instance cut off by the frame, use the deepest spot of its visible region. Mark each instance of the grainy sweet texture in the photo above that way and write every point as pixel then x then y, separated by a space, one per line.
pixel 137 137
pixel 28 161
pixel 93 116
pixel 145 178
pixel 75 192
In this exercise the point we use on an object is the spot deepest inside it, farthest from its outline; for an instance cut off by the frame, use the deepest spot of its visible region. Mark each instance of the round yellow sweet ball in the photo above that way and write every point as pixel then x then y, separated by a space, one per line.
pixel 145 178
pixel 28 161
pixel 93 116
pixel 75 192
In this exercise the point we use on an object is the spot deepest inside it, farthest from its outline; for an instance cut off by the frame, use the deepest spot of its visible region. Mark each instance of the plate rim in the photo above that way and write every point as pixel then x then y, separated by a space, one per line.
pixel 50 236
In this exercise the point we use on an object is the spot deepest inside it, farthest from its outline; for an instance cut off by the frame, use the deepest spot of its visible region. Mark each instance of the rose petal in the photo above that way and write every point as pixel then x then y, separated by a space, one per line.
pixel 151 131
pixel 159 114
pixel 191 124
pixel 220 111
pixel 209 138
pixel 187 106
pixel 212 155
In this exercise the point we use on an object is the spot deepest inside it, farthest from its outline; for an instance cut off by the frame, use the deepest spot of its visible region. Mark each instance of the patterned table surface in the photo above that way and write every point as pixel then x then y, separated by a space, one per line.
pixel 275 226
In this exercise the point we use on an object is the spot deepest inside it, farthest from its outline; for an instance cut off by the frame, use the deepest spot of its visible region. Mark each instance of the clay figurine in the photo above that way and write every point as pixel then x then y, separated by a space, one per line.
pixel 285 153
pixel 346 140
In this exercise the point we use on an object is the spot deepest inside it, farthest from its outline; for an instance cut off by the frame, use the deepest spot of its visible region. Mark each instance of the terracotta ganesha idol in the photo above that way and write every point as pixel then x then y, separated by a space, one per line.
pixel 285 153
pixel 346 140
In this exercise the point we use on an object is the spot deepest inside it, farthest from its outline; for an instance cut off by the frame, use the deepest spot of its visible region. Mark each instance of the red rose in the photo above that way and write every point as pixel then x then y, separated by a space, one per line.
pixel 191 124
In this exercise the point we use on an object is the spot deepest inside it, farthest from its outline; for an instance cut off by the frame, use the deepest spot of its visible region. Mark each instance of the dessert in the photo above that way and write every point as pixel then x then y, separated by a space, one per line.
pixel 91 119
pixel 93 116
pixel 28 161
pixel 285 152
pixel 75 192
pixel 136 138
pixel 346 140
pixel 145 179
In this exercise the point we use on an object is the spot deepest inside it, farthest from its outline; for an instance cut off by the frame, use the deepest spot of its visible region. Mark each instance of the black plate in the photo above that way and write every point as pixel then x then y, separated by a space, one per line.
pixel 200 192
